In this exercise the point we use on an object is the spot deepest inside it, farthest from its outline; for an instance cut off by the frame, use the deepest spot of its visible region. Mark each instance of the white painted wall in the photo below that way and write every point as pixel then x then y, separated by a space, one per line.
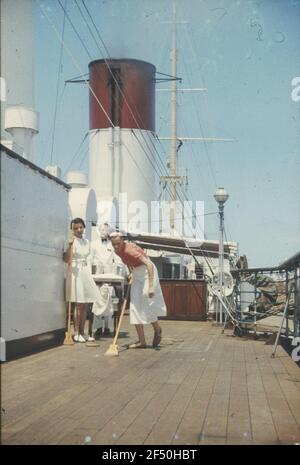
pixel 17 51
pixel 120 162
pixel 83 204
pixel 17 74
pixel 34 214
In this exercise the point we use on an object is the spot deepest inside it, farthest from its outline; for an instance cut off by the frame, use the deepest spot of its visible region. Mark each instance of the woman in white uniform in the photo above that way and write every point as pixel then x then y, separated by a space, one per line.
pixel 83 287
pixel 146 298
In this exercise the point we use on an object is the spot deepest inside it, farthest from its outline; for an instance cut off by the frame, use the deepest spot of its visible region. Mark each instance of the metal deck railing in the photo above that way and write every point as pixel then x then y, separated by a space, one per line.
pixel 261 293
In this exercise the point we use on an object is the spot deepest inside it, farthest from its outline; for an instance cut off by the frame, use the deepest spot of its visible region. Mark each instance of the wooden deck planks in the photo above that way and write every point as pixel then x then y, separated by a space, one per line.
pixel 239 430
pixel 191 424
pixel 165 429
pixel 204 388
pixel 263 429
pixel 139 430
pixel 214 430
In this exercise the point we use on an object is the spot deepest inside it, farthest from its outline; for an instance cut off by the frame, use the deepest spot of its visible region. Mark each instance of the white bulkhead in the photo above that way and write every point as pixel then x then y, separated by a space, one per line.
pixel 34 213
pixel 82 201
pixel 18 117
pixel 123 161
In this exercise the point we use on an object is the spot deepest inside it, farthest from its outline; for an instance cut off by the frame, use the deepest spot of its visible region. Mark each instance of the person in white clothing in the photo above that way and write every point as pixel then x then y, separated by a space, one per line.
pixel 104 260
pixel 102 253
pixel 83 287
pixel 103 309
pixel 146 298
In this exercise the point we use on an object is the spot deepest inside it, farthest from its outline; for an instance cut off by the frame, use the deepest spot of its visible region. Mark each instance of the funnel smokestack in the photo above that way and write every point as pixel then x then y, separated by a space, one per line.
pixel 122 142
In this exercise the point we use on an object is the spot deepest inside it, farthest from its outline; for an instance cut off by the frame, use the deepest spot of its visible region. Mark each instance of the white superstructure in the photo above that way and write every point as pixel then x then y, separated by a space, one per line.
pixel 34 223
pixel 19 120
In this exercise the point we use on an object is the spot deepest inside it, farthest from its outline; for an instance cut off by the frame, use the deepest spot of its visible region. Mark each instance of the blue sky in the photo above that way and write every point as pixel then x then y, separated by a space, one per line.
pixel 245 53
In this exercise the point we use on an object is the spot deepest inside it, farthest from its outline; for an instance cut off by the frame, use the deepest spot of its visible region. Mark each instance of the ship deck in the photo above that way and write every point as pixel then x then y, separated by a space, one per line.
pixel 200 387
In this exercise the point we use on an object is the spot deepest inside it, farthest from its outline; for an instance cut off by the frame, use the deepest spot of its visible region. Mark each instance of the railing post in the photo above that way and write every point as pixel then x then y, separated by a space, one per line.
pixel 297 304
pixel 286 296
pixel 255 303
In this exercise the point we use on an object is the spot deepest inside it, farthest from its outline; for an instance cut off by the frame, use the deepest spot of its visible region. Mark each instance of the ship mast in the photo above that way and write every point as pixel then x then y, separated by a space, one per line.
pixel 173 154
pixel 172 180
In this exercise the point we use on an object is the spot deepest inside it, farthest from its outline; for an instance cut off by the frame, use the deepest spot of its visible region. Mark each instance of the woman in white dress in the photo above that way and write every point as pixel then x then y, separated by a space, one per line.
pixel 146 299
pixel 83 287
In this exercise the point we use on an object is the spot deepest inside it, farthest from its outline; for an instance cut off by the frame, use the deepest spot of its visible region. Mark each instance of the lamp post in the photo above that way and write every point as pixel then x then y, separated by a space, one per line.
pixel 221 197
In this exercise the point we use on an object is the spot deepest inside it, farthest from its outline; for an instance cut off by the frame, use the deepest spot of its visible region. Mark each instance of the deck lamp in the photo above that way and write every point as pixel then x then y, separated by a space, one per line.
pixel 221 196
